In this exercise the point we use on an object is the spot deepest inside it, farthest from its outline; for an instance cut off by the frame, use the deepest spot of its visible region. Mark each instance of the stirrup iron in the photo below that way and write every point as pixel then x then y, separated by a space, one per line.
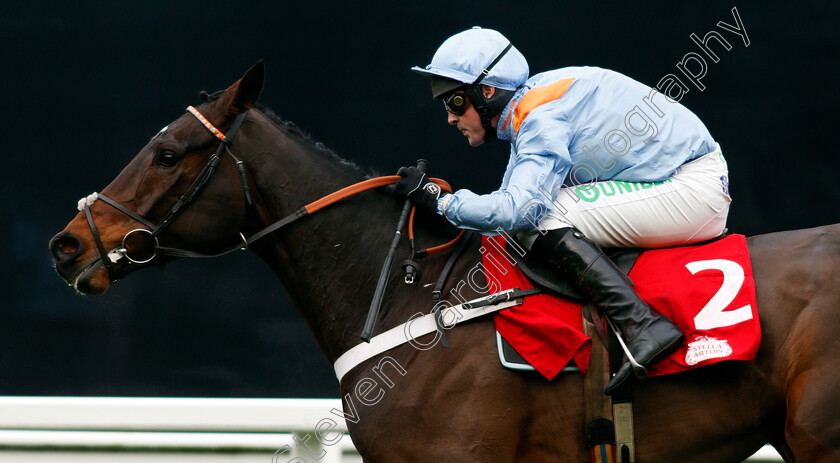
pixel 638 370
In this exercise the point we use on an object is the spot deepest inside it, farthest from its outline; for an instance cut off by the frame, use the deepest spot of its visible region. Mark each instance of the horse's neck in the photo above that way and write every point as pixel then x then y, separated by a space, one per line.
pixel 329 261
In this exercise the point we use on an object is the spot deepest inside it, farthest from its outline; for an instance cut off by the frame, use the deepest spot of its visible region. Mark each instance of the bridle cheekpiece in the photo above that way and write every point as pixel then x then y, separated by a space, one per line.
pixel 189 195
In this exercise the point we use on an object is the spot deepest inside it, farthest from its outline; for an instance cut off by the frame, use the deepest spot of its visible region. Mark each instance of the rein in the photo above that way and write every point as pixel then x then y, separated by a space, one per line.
pixel 203 177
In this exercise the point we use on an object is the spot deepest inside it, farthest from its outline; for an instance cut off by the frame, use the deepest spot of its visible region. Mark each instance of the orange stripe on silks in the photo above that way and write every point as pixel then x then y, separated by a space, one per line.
pixel 537 97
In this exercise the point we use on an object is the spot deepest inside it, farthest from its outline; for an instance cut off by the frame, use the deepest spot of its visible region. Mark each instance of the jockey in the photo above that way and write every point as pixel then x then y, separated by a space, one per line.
pixel 596 159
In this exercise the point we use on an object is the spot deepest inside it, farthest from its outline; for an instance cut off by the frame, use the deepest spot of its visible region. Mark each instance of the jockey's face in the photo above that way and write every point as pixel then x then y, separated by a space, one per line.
pixel 469 124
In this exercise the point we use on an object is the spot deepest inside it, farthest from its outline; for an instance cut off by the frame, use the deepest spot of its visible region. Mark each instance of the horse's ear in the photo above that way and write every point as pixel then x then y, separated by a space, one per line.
pixel 245 92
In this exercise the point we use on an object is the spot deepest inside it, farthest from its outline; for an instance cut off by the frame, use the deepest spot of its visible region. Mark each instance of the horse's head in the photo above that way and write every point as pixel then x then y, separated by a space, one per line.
pixel 101 245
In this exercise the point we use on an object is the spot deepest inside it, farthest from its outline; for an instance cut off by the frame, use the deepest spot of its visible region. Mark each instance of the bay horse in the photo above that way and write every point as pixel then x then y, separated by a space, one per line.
pixel 455 404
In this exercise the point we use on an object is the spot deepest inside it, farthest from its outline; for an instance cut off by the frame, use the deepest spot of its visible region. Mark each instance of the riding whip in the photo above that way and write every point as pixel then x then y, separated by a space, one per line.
pixel 376 303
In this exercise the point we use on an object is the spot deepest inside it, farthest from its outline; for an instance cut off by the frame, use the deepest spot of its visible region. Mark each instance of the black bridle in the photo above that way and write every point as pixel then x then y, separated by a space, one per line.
pixel 154 231
pixel 186 199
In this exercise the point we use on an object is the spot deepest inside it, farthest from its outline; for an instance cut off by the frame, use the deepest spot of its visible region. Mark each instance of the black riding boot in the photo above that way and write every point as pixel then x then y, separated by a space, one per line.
pixel 650 337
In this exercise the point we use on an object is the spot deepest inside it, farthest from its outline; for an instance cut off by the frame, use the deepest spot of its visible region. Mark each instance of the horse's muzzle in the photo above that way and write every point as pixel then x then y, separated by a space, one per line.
pixel 67 249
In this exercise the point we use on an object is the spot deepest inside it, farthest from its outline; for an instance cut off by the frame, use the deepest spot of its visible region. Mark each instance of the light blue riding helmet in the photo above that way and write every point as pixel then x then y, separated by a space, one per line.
pixel 465 55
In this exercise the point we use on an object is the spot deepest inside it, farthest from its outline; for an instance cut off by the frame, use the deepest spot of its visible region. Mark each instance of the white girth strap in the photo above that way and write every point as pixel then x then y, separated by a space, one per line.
pixel 413 329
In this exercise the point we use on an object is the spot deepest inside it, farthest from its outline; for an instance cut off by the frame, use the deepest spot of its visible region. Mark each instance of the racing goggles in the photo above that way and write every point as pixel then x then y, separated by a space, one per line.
pixel 456 103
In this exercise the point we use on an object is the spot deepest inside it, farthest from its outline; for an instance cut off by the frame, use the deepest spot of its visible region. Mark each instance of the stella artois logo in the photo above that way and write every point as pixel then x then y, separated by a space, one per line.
pixel 706 347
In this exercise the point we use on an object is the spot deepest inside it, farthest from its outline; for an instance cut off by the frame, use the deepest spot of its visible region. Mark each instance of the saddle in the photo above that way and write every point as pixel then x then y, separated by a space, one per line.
pixel 668 279
pixel 544 277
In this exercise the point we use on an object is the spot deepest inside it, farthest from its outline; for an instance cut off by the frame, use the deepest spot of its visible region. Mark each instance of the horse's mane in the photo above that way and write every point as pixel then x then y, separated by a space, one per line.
pixel 294 130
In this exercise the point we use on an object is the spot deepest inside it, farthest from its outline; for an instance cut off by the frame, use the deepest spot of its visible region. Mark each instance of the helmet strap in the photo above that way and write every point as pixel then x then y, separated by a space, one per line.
pixel 486 71
pixel 479 102
pixel 487 108
pixel 484 107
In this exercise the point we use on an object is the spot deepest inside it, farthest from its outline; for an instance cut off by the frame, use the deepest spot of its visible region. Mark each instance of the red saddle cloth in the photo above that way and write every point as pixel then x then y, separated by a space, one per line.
pixel 707 290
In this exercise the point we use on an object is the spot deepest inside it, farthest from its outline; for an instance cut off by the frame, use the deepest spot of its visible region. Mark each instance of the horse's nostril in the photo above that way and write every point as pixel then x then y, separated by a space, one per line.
pixel 69 246
pixel 65 247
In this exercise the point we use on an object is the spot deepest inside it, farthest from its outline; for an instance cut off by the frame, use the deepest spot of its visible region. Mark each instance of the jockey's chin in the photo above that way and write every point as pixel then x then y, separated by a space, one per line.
pixel 474 133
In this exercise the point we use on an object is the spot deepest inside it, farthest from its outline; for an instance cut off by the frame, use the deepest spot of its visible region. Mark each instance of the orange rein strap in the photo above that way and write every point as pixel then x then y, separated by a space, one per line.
pixel 376 183
pixel 434 250
pixel 312 208
pixel 369 184
pixel 346 192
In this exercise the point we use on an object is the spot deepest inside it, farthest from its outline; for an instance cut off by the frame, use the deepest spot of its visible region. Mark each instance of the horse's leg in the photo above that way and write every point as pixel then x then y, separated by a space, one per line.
pixel 797 293
pixel 781 446
pixel 811 429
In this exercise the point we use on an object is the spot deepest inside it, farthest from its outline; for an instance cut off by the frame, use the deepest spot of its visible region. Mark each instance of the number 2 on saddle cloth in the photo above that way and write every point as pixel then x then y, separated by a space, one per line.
pixel 707 290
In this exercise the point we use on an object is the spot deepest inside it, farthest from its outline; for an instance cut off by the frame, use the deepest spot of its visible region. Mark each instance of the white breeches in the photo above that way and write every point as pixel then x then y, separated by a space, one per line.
pixel 690 206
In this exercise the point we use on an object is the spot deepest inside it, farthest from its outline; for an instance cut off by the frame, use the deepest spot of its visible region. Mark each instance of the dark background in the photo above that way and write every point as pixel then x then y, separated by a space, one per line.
pixel 84 87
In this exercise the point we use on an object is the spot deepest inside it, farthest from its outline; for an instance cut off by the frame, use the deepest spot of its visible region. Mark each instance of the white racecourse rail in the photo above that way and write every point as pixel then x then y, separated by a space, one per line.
pixel 184 430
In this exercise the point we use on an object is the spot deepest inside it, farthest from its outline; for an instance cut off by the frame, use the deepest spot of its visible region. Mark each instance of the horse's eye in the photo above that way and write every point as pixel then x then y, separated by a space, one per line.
pixel 166 158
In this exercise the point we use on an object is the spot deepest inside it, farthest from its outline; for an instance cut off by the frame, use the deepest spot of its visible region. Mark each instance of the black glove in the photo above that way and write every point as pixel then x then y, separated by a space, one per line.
pixel 415 185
